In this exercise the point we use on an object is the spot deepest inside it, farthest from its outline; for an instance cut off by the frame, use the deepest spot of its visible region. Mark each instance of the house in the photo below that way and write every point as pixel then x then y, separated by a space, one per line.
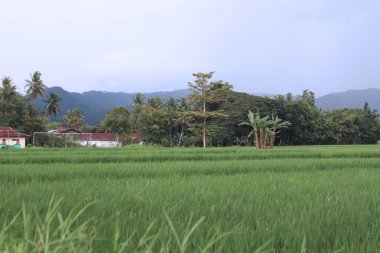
pixel 9 137
pixel 101 140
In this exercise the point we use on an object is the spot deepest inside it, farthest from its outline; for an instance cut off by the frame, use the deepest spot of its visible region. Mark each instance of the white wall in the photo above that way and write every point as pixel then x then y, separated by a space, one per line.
pixel 13 141
pixel 100 144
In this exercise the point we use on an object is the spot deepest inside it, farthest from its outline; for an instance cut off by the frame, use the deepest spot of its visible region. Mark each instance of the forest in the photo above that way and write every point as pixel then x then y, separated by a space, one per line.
pixel 211 115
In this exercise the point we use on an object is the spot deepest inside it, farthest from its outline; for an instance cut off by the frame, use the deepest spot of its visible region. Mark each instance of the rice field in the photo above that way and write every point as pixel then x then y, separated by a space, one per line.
pixel 151 199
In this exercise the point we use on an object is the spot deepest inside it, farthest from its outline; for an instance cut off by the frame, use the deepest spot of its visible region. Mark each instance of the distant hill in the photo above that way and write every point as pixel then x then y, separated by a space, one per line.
pixel 350 99
pixel 95 104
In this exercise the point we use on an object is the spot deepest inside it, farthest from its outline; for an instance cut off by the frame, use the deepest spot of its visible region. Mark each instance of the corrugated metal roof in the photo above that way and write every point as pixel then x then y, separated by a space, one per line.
pixel 63 130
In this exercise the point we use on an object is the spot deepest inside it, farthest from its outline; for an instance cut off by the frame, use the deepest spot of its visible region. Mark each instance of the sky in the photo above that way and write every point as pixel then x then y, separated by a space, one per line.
pixel 259 46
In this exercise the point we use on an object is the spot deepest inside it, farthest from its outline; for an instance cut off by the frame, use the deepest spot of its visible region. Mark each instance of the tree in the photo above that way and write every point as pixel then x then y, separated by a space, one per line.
pixel 116 120
pixel 8 89
pixel 74 119
pixel 53 104
pixel 34 121
pixel 206 93
pixel 172 115
pixel 183 119
pixel 275 125
pixel 153 122
pixel 138 103
pixel 236 107
pixel 11 104
pixel 306 119
pixel 35 86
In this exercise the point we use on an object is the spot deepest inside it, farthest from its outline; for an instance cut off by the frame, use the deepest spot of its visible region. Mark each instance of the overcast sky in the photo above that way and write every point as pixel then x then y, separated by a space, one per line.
pixel 272 46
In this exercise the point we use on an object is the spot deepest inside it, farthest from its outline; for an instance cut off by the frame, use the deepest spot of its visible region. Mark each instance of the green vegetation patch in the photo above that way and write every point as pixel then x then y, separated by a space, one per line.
pixel 141 199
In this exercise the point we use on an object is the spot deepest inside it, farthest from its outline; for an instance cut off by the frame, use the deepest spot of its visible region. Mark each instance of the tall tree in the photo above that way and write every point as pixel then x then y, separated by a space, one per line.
pixel 53 104
pixel 153 122
pixel 208 93
pixel 116 121
pixel 138 102
pixel 35 88
pixel 11 104
pixel 8 89
pixel 74 119
pixel 172 115
pixel 183 118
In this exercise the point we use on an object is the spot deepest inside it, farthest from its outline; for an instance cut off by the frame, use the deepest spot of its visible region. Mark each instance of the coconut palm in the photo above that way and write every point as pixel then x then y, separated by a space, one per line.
pixel 53 104
pixel 8 89
pixel 73 119
pixel 138 102
pixel 35 88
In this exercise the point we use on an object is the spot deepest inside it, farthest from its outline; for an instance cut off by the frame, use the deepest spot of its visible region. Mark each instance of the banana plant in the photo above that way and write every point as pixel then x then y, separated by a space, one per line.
pixel 264 129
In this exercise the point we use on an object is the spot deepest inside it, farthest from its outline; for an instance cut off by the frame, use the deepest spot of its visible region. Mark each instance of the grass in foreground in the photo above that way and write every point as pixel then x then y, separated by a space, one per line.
pixel 314 199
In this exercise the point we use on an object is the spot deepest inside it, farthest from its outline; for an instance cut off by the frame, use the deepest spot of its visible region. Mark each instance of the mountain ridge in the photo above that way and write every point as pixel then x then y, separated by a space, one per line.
pixel 352 98
pixel 95 104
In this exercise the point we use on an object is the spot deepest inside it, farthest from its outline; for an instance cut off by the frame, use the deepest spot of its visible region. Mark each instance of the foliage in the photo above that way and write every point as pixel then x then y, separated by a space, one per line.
pixel 264 129
pixel 54 140
pixel 53 104
pixel 208 95
pixel 116 121
pixel 8 89
pixel 138 102
pixel 74 119
pixel 153 122
pixel 35 88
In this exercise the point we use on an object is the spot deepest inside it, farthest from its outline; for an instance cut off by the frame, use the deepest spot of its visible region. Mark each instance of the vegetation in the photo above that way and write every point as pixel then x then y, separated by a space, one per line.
pixel 74 119
pixel 211 115
pixel 52 104
pixel 322 199
pixel 264 129
pixel 35 88
pixel 207 94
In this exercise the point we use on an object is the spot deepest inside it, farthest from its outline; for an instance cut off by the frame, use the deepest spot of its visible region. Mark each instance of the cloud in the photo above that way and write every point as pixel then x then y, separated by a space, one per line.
pixel 259 46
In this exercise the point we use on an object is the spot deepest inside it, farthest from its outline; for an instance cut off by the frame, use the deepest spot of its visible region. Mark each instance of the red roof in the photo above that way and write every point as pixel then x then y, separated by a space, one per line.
pixel 95 137
pixel 9 132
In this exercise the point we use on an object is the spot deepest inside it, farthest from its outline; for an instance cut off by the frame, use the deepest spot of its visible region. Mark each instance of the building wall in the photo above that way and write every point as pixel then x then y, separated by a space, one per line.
pixel 100 144
pixel 13 141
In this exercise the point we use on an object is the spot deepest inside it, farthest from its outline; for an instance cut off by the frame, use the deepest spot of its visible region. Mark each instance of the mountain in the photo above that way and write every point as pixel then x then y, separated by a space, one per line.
pixel 95 104
pixel 350 99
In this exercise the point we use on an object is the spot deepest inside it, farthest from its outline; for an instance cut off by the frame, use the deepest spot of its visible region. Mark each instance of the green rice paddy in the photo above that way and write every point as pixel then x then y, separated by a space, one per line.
pixel 151 199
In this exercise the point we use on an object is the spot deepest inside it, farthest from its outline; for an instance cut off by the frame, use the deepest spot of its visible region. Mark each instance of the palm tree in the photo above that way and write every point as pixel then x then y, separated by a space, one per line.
pixel 35 87
pixel 8 89
pixel 53 104
pixel 138 102
pixel 73 119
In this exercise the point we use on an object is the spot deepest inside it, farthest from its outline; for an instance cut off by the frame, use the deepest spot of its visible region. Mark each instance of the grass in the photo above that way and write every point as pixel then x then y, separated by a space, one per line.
pixel 145 199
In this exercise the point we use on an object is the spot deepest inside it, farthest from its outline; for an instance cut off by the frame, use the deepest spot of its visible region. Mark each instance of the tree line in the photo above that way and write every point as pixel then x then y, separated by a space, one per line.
pixel 211 115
